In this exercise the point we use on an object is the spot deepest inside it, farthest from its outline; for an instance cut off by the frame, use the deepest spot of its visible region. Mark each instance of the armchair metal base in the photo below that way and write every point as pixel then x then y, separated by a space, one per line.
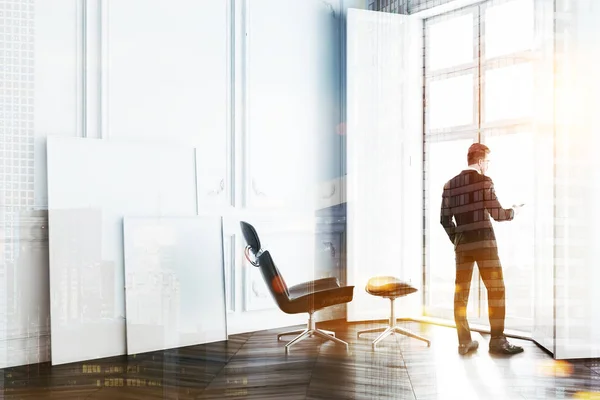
pixel 310 331
pixel 391 329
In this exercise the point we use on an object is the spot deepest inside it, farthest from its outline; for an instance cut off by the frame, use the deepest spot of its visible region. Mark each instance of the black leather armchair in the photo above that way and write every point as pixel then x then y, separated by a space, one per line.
pixel 307 297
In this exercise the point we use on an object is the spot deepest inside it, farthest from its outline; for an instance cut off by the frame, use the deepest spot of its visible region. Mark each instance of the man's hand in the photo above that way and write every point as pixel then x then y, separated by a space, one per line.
pixel 517 208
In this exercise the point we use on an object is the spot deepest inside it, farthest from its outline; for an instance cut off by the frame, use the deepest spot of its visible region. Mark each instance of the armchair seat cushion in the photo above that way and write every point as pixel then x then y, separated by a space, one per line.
pixel 317 300
pixel 388 286
pixel 305 297
pixel 313 286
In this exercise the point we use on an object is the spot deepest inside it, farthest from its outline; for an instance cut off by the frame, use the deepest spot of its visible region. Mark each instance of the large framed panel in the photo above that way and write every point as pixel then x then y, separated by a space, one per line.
pixel 174 282
pixel 93 184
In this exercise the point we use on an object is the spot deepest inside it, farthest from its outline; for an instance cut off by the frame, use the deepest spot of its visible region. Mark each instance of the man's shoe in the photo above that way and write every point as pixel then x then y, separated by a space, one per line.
pixel 467 347
pixel 502 346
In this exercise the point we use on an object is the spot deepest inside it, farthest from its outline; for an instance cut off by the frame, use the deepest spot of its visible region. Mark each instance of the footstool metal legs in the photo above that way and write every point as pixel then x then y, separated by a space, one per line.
pixel 391 329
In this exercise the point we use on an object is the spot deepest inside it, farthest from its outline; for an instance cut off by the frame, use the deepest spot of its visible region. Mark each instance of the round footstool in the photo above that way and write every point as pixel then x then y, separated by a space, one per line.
pixel 390 288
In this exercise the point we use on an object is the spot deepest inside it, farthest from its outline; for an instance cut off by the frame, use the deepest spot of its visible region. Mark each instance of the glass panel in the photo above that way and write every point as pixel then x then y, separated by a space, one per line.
pixel 450 42
pixel 508 28
pixel 513 171
pixel 450 102
pixel 508 92
pixel 446 159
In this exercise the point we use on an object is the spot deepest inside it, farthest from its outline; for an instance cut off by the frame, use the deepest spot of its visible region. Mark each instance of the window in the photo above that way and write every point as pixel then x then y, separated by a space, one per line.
pixel 479 73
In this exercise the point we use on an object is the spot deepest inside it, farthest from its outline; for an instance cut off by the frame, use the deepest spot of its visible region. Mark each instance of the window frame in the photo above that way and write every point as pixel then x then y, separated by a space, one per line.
pixel 476 131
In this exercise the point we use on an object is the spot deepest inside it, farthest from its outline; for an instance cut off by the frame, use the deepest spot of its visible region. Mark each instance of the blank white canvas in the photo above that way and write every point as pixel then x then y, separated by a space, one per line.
pixel 174 280
pixel 92 185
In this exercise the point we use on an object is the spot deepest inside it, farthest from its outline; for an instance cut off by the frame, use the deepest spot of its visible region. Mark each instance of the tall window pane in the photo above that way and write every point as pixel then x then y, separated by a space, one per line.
pixel 445 159
pixel 512 168
pixel 450 42
pixel 450 102
pixel 488 95
pixel 508 27
pixel 508 92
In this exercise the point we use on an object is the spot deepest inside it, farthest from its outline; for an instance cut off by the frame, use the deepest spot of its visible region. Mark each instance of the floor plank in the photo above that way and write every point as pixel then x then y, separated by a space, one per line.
pixel 255 366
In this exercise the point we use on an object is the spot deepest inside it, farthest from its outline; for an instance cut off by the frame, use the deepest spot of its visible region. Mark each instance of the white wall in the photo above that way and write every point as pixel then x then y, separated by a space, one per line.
pixel 45 91
pixel 167 74
pixel 384 77
pixel 293 101
pixel 577 185
pixel 289 111
pixel 178 71
pixel 544 142
pixel 167 79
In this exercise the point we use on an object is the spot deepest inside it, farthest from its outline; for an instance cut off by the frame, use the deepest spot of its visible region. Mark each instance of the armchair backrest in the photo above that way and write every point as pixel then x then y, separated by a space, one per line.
pixel 273 278
pixel 271 275
pixel 251 237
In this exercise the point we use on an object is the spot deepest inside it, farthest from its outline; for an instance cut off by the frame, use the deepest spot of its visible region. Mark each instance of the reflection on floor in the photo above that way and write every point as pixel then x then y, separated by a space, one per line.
pixel 254 366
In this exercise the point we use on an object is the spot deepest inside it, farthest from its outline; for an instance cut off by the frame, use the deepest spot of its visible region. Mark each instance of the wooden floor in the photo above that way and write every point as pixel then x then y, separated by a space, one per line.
pixel 254 366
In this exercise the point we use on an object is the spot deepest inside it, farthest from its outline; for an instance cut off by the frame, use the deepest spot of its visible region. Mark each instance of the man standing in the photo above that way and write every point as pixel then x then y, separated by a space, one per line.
pixel 470 198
